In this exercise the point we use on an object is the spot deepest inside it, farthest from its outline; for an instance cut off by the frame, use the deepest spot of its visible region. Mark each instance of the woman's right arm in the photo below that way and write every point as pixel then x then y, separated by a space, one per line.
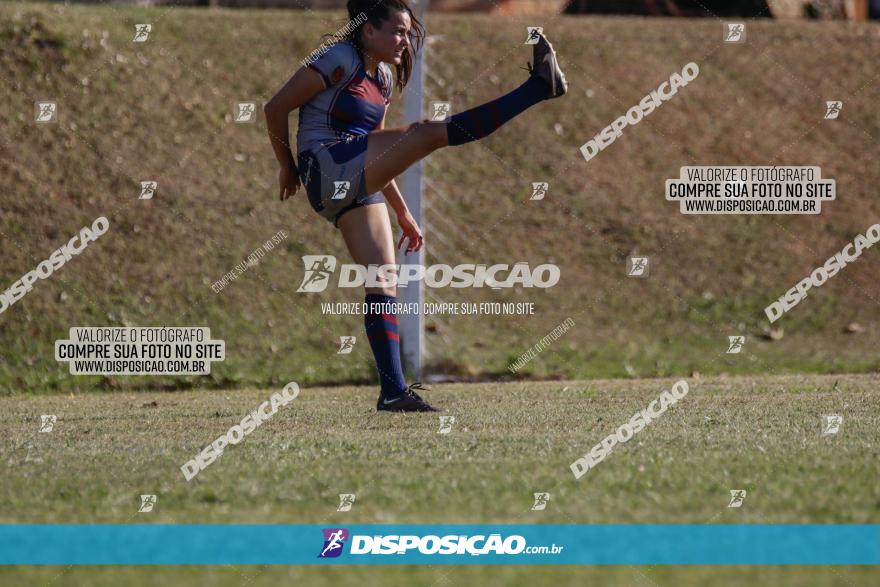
pixel 299 89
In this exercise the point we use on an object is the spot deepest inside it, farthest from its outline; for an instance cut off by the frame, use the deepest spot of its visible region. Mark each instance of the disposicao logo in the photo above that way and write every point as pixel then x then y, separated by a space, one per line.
pixel 334 541
pixel 319 269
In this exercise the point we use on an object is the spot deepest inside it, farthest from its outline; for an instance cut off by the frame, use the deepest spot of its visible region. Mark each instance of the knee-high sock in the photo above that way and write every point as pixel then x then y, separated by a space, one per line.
pixel 479 122
pixel 385 341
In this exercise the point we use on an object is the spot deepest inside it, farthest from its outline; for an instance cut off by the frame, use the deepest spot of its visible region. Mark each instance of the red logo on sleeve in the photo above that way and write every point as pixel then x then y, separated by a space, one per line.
pixel 336 75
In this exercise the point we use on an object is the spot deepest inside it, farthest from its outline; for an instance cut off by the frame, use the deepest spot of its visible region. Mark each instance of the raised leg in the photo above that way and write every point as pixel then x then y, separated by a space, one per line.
pixel 391 151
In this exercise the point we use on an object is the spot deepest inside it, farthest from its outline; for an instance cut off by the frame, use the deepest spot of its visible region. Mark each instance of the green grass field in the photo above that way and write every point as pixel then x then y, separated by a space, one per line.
pixel 509 440
pixel 161 111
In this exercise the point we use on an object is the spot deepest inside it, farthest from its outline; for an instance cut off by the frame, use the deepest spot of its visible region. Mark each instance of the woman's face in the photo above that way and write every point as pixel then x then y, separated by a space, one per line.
pixel 388 42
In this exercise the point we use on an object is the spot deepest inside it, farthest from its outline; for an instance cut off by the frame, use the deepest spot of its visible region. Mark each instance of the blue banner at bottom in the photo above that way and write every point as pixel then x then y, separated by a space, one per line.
pixel 519 544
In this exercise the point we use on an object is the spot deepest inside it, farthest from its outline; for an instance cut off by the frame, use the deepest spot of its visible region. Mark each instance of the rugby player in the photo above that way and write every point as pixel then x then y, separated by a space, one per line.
pixel 347 160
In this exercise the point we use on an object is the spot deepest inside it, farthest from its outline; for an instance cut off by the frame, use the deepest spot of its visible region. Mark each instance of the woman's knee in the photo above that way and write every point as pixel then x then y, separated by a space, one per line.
pixel 435 133
pixel 386 280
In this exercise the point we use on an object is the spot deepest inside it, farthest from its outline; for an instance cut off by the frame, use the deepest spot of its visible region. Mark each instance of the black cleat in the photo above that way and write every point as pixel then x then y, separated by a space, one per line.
pixel 545 66
pixel 409 401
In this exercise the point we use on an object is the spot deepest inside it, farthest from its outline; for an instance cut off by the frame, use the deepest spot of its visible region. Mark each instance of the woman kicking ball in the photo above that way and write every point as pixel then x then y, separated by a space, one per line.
pixel 346 157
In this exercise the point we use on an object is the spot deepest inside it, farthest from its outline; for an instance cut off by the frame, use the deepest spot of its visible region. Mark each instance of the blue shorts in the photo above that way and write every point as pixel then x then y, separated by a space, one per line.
pixel 334 178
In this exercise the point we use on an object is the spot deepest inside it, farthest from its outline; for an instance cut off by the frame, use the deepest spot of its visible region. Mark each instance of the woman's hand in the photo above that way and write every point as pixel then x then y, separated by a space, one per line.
pixel 411 232
pixel 288 180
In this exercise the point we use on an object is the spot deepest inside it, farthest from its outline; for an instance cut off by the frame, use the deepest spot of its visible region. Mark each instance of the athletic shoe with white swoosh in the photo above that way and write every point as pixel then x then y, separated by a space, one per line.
pixel 409 401
pixel 547 68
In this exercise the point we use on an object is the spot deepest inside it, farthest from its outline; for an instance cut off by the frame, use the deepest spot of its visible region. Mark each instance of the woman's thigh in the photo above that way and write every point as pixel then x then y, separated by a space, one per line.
pixel 367 234
pixel 390 152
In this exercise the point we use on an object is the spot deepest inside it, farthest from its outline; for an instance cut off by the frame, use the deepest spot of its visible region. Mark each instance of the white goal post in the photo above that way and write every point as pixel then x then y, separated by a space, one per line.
pixel 412 332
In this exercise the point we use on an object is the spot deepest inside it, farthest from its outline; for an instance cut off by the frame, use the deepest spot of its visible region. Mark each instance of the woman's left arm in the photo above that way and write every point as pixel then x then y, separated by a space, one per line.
pixel 411 230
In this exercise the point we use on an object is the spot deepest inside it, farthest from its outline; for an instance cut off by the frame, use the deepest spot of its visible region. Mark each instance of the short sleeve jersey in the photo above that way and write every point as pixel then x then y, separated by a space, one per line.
pixel 352 103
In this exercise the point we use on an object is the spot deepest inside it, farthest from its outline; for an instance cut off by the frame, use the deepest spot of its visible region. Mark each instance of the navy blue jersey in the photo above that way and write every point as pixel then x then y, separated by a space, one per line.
pixel 352 103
